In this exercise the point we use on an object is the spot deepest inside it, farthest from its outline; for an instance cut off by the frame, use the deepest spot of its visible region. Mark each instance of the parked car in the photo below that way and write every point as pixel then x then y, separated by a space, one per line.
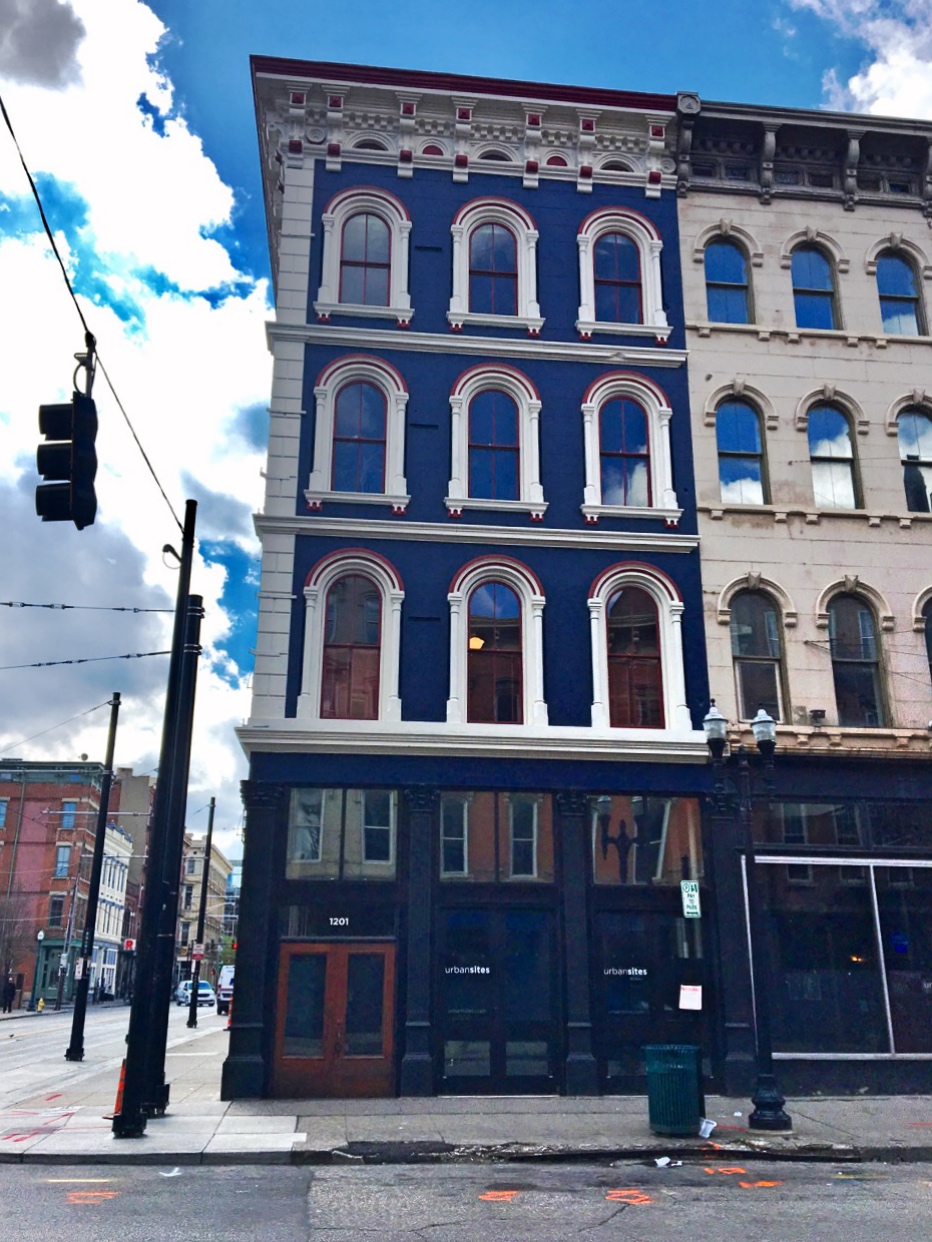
pixel 205 993
pixel 225 989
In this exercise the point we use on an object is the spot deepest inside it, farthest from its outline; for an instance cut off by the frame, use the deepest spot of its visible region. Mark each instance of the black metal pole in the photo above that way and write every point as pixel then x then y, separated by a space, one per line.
pixel 130 1121
pixel 75 1050
pixel 201 914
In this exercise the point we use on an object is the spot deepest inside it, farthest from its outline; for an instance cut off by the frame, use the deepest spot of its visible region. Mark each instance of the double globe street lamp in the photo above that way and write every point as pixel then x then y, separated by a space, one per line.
pixel 768 1113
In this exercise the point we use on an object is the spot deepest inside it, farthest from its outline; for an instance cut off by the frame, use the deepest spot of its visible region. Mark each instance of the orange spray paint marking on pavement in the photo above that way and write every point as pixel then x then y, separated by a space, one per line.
pixel 728 1170
pixel 91 1196
pixel 754 1185
pixel 628 1196
pixel 499 1196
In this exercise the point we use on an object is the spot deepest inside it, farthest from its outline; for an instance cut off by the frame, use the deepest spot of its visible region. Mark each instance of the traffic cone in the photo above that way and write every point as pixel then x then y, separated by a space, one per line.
pixel 118 1106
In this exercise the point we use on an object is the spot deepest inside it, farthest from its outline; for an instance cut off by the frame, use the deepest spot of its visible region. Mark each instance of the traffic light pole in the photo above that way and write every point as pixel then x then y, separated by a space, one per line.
pixel 130 1121
pixel 201 914
pixel 75 1050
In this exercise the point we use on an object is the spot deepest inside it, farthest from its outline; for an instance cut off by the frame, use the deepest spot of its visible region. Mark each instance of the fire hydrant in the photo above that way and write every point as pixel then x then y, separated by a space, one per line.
pixel 41 1005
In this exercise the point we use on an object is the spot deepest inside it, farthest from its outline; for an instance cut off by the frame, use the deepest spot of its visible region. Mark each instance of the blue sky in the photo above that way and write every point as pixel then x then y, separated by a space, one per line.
pixel 136 118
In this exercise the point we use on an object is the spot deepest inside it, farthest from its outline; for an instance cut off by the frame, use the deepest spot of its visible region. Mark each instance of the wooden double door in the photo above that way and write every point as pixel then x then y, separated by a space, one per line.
pixel 335 1020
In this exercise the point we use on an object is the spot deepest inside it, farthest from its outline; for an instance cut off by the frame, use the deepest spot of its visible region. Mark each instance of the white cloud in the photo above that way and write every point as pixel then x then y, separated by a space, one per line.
pixel 132 209
pixel 897 79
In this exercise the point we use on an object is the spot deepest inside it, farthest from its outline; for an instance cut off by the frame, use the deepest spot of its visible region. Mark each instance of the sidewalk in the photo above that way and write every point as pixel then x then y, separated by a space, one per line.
pixel 71 1125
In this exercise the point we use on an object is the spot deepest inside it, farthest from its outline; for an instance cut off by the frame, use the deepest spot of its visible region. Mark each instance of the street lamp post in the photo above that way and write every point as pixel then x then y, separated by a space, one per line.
pixel 31 1007
pixel 768 1113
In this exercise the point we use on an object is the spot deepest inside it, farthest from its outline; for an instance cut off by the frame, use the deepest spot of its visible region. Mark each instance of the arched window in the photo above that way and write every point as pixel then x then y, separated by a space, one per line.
pixel 914 432
pixel 740 454
pixel 352 640
pixel 494 446
pixel 726 283
pixel 359 434
pixel 831 453
pixel 624 453
pixel 359 439
pixel 813 288
pixel 757 654
pixel 635 687
pixel 494 657
pixel 899 298
pixel 927 618
pixel 432 149
pixel 617 273
pixel 494 267
pixel 496 645
pixel 855 662
pixel 493 270
pixel 365 260
pixel 556 161
pixel 364 266
pixel 620 288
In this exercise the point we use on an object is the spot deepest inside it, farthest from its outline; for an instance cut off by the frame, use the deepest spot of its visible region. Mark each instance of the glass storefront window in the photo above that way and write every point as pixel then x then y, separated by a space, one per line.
pixel 640 840
pixel 904 899
pixel 495 837
pixel 871 825
pixel 344 834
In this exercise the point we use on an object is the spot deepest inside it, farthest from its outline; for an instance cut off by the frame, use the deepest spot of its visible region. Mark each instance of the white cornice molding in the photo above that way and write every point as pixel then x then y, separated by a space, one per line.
pixel 424 738
pixel 494 346
pixel 465 532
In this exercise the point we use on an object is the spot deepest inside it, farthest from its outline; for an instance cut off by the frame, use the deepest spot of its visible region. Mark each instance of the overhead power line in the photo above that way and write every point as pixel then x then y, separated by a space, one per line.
pixel 61 723
pixel 15 603
pixel 133 655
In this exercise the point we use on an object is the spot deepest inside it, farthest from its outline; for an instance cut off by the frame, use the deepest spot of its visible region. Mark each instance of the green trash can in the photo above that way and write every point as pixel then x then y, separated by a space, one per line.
pixel 674 1088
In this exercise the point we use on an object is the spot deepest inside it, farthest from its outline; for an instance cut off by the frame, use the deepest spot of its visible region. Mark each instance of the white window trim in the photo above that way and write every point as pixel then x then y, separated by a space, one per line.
pixel 649 243
pixel 391 589
pixel 677 722
pixel 354 369
pixel 388 208
pixel 506 379
pixel 530 593
pixel 4 808
pixel 390 828
pixel 463 801
pixel 495 211
pixel 656 405
pixel 523 875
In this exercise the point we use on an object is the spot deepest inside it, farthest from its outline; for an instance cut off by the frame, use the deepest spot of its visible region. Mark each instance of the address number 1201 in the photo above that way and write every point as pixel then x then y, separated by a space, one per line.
pixel 339 921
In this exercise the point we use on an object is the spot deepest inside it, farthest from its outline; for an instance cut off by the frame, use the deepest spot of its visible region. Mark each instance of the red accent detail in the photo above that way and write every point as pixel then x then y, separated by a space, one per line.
pixel 657 131
pixel 654 177
pixel 585 336
pixel 537 517
pixel 533 120
pixel 587 125
pixel 531 166
pixel 671 522
pixel 464 114
pixel 378 364
pixel 315 505
pixel 323 316
pixel 650 384
pixel 585 172
pixel 295 146
pixel 343 553
pixel 334 101
pixel 404 323
pixel 368 189
pixel 493 369
pixel 660 340
pixel 298 99
pixel 454 513
pixel 651 570
pixel 460 160
pixel 592 519
pixel 407 108
pixel 621 211
pixel 556 161
pixel 525 217
pixel 405 156
pixel 333 148
pixel 432 149
pixel 456 327
pixel 495 562
pixel 398 510
pixel 533 331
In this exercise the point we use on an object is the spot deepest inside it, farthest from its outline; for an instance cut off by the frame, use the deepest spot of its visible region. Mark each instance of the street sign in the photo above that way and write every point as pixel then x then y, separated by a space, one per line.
pixel 79 968
pixel 129 946
pixel 197 953
pixel 689 890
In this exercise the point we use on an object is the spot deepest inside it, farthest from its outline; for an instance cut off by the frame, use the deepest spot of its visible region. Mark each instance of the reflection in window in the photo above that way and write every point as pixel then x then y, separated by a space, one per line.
pixel 635 691
pixel 914 432
pixel 62 860
pixel 494 656
pixel 492 837
pixel 351 650
pixel 740 454
pixel 56 911
pixel 341 834
pixel 813 288
pixel 493 270
pixel 726 282
pixel 644 840
pixel 899 299
pixel 68 812
pixel 855 662
pixel 359 439
pixel 755 650
pixel 831 454
pixel 617 270
pixel 365 261
pixel 624 453
pixel 494 447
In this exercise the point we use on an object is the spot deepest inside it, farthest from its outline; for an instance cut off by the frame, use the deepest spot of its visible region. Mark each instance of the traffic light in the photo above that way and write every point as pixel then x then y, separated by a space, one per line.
pixel 68 462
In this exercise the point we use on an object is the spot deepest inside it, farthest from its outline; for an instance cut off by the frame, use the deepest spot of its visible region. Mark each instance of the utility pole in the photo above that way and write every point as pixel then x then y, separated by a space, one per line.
pixel 75 1050
pixel 201 914
pixel 130 1122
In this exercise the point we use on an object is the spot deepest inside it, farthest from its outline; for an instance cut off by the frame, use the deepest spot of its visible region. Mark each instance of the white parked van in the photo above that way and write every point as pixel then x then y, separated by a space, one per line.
pixel 225 988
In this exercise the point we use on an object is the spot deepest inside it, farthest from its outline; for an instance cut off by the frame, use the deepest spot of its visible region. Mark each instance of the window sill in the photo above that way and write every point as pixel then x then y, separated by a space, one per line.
pixel 592 513
pixel 456 504
pixel 401 314
pixel 813 516
pixel 530 323
pixel 315 500
pixel 660 332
